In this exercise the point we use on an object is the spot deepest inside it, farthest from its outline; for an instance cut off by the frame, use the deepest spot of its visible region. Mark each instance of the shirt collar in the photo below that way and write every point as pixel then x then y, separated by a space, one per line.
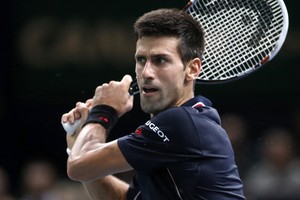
pixel 198 101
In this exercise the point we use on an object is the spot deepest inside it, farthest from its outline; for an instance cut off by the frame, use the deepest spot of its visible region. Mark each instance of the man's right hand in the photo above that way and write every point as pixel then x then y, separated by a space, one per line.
pixel 115 94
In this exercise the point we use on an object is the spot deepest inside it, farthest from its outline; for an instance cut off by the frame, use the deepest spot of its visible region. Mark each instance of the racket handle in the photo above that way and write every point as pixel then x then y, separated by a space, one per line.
pixel 71 128
pixel 134 88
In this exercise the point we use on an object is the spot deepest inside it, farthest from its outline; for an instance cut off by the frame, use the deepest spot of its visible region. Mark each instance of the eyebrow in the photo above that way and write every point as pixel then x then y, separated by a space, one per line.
pixel 154 55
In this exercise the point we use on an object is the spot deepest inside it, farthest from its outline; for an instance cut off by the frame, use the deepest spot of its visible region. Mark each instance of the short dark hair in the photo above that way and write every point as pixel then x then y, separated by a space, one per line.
pixel 175 23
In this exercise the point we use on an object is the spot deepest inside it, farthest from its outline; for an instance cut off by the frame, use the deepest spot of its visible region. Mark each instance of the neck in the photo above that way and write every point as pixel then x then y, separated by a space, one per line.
pixel 183 98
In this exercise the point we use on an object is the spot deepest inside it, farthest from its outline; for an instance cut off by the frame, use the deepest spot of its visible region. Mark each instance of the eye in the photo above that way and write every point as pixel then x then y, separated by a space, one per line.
pixel 140 60
pixel 159 60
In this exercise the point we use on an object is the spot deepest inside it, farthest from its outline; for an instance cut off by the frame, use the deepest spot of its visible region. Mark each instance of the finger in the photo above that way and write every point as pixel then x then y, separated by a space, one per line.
pixel 127 79
pixel 77 115
pixel 88 102
pixel 71 115
pixel 104 84
pixel 83 110
pixel 79 103
pixel 67 117
pixel 64 118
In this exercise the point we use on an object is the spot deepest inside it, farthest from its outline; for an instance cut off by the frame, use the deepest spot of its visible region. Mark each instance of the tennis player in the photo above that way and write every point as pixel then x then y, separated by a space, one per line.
pixel 181 152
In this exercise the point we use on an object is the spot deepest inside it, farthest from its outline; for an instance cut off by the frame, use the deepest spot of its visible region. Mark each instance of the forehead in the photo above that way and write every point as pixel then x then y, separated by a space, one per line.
pixel 157 45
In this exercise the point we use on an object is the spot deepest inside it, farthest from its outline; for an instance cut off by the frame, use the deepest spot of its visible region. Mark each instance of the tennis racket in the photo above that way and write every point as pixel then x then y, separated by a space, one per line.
pixel 241 36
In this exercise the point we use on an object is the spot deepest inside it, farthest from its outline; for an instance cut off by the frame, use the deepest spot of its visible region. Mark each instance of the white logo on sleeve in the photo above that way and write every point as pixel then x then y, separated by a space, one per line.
pixel 156 130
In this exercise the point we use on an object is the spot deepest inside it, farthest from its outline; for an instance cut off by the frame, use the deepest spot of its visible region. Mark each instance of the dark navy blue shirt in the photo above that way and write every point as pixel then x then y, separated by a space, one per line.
pixel 182 153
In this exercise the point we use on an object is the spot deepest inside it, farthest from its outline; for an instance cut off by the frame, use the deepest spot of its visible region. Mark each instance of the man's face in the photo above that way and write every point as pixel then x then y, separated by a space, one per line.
pixel 160 73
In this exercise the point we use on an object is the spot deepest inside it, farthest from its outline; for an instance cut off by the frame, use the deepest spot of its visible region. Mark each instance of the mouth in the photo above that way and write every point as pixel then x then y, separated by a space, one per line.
pixel 149 90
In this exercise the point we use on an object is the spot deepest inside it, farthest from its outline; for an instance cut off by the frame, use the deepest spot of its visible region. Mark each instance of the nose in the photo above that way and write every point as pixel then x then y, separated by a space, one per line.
pixel 148 71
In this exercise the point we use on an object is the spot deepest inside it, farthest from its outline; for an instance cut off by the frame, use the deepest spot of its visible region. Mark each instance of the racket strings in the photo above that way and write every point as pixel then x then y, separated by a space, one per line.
pixel 240 43
pixel 218 40
pixel 222 33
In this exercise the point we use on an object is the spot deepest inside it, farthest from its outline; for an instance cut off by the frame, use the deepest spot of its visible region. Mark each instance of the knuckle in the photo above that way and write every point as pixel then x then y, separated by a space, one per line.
pixel 98 88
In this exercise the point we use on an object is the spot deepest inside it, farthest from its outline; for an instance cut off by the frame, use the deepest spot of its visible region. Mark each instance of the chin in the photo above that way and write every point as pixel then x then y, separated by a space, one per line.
pixel 150 109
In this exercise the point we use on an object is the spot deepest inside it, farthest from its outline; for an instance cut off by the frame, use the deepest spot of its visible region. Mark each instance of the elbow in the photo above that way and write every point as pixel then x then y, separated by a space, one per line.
pixel 79 170
pixel 72 171
pixel 75 171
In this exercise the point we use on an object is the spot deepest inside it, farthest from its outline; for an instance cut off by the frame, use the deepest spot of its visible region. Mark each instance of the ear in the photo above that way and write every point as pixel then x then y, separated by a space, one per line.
pixel 193 69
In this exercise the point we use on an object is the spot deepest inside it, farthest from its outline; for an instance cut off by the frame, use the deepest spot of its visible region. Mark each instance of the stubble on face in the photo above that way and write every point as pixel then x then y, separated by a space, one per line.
pixel 163 101
pixel 169 78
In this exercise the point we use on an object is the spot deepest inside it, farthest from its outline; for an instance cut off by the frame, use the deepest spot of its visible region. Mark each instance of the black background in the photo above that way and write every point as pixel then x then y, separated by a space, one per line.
pixel 33 97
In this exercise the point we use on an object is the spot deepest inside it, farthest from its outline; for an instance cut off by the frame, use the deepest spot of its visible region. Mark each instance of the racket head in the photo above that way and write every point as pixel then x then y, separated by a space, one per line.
pixel 241 36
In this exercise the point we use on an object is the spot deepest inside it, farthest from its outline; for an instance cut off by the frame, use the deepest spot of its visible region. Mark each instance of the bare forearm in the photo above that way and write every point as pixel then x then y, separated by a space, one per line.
pixel 89 139
pixel 106 188
pixel 80 166
pixel 91 158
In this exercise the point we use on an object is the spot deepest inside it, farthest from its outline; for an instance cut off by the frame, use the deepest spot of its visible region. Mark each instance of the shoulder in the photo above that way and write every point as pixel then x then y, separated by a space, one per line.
pixel 187 114
pixel 174 116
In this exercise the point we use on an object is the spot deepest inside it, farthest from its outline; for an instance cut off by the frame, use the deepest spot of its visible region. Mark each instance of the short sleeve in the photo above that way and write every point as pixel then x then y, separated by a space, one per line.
pixel 165 139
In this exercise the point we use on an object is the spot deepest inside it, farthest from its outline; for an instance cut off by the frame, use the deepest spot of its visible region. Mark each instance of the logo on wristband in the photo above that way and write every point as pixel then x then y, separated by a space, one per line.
pixel 102 118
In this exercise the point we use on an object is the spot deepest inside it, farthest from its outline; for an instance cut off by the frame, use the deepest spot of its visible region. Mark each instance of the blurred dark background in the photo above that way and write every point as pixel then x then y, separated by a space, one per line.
pixel 54 53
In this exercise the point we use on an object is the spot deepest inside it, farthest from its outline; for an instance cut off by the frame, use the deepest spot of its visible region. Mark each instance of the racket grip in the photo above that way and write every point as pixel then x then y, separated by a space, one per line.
pixel 71 128
pixel 134 88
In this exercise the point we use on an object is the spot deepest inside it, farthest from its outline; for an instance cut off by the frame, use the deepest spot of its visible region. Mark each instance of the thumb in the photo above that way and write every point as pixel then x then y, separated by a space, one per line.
pixel 127 79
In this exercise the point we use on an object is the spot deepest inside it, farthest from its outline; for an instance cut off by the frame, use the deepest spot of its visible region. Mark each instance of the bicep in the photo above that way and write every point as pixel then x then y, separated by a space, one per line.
pixel 105 159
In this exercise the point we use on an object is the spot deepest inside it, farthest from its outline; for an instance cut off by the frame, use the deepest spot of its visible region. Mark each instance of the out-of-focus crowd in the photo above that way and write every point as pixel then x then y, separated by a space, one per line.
pixel 40 181
pixel 269 166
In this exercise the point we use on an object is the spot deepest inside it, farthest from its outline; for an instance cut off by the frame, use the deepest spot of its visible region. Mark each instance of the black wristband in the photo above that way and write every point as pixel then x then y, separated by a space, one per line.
pixel 103 114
